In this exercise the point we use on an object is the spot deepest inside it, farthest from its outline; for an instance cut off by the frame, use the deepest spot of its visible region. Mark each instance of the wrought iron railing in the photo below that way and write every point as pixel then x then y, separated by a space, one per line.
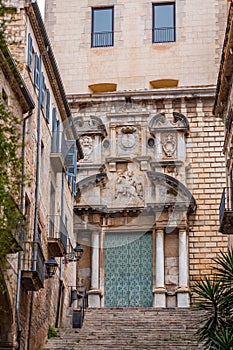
pixel 164 35
pixel 226 203
pixel 57 229
pixel 103 39
pixel 33 259
pixel 59 143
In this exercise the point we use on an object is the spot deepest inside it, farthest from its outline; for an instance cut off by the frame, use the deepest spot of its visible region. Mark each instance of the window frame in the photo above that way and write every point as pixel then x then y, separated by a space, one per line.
pixel 93 45
pixel 174 22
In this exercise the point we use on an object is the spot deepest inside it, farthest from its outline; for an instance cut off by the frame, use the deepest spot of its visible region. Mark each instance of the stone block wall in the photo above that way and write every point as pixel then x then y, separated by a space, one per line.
pixel 204 173
pixel 134 60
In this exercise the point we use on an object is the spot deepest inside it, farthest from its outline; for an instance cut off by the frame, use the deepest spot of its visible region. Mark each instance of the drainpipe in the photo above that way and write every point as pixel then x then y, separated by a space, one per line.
pixel 61 259
pixel 22 205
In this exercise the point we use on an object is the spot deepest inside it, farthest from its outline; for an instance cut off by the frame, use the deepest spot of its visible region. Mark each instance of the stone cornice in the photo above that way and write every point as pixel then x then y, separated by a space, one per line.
pixel 182 92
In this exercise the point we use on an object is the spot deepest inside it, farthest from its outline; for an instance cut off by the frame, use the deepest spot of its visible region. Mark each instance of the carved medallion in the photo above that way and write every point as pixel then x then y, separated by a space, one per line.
pixel 169 144
pixel 128 137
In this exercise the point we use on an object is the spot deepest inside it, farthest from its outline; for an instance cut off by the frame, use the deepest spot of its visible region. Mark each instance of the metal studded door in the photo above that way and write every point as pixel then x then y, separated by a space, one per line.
pixel 128 270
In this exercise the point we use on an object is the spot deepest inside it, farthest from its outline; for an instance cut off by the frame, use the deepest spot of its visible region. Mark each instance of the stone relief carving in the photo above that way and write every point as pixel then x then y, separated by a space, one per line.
pixel 127 186
pixel 169 145
pixel 128 137
pixel 176 121
pixel 92 122
pixel 87 145
pixel 171 170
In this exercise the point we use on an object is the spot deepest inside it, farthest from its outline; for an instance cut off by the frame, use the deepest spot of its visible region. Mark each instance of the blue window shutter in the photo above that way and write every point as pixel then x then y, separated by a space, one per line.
pixel 71 164
pixel 37 71
pixel 54 130
pixel 29 58
pixel 42 89
pixel 47 111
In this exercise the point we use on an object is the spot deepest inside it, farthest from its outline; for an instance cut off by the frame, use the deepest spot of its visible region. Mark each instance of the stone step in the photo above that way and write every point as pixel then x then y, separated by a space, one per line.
pixel 131 329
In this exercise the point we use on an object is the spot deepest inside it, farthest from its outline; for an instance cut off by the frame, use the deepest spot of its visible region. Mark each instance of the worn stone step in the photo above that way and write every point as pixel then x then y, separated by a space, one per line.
pixel 131 329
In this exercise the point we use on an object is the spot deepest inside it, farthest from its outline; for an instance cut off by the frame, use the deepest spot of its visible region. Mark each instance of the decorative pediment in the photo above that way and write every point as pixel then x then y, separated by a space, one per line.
pixel 90 125
pixel 162 122
pixel 170 191
pixel 90 182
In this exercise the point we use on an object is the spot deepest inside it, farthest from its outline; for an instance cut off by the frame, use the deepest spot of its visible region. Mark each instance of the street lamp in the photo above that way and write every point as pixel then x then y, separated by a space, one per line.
pixel 51 267
pixel 79 252
pixel 75 254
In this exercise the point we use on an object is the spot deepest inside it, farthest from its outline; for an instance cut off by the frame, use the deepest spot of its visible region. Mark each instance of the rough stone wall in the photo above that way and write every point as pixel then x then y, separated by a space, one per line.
pixel 42 305
pixel 9 284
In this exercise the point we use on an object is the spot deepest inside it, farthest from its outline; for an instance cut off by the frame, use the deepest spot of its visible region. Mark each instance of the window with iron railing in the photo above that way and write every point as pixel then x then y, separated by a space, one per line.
pixel 164 23
pixel 102 27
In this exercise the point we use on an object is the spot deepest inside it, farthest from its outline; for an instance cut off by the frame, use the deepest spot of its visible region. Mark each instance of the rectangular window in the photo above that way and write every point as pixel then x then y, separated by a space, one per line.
pixel 102 27
pixel 164 23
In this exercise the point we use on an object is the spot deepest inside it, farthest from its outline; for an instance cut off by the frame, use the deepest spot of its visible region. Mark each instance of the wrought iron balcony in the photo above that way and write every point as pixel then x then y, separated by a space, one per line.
pixel 33 270
pixel 103 39
pixel 59 151
pixel 164 35
pixel 57 236
pixel 226 211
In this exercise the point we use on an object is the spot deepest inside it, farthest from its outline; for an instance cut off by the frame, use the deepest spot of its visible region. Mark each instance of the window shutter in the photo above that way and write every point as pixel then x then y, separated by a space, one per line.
pixel 29 58
pixel 42 89
pixel 54 130
pixel 47 105
pixel 37 71
pixel 71 164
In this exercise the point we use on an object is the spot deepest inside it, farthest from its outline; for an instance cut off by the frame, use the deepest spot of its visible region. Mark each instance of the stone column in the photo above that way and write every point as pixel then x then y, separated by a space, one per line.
pixel 159 290
pixel 183 297
pixel 94 293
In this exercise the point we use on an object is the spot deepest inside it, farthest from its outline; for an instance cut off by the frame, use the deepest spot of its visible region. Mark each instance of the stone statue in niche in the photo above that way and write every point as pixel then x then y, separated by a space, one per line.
pixel 87 146
pixel 169 145
pixel 127 187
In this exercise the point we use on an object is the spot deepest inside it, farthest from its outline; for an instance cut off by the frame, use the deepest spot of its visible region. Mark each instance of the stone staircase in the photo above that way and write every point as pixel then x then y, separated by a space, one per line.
pixel 131 328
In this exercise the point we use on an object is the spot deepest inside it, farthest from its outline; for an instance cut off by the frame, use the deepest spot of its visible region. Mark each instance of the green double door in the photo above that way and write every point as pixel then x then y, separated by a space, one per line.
pixel 128 269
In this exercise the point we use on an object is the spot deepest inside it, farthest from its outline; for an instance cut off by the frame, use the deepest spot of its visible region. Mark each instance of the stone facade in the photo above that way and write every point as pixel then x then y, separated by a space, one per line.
pixel 32 299
pixel 153 158
pixel 223 110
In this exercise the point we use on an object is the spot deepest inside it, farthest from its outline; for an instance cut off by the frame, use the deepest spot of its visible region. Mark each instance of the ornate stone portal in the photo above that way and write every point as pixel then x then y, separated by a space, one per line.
pixel 130 187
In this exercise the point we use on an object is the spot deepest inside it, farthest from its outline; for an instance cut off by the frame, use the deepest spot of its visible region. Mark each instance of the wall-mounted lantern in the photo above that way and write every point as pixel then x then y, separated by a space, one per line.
pixel 51 267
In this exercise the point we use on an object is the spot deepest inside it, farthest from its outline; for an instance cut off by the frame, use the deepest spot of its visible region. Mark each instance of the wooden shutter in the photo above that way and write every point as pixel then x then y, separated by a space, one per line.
pixel 47 111
pixel 29 58
pixel 42 89
pixel 37 71
pixel 71 164
pixel 54 130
